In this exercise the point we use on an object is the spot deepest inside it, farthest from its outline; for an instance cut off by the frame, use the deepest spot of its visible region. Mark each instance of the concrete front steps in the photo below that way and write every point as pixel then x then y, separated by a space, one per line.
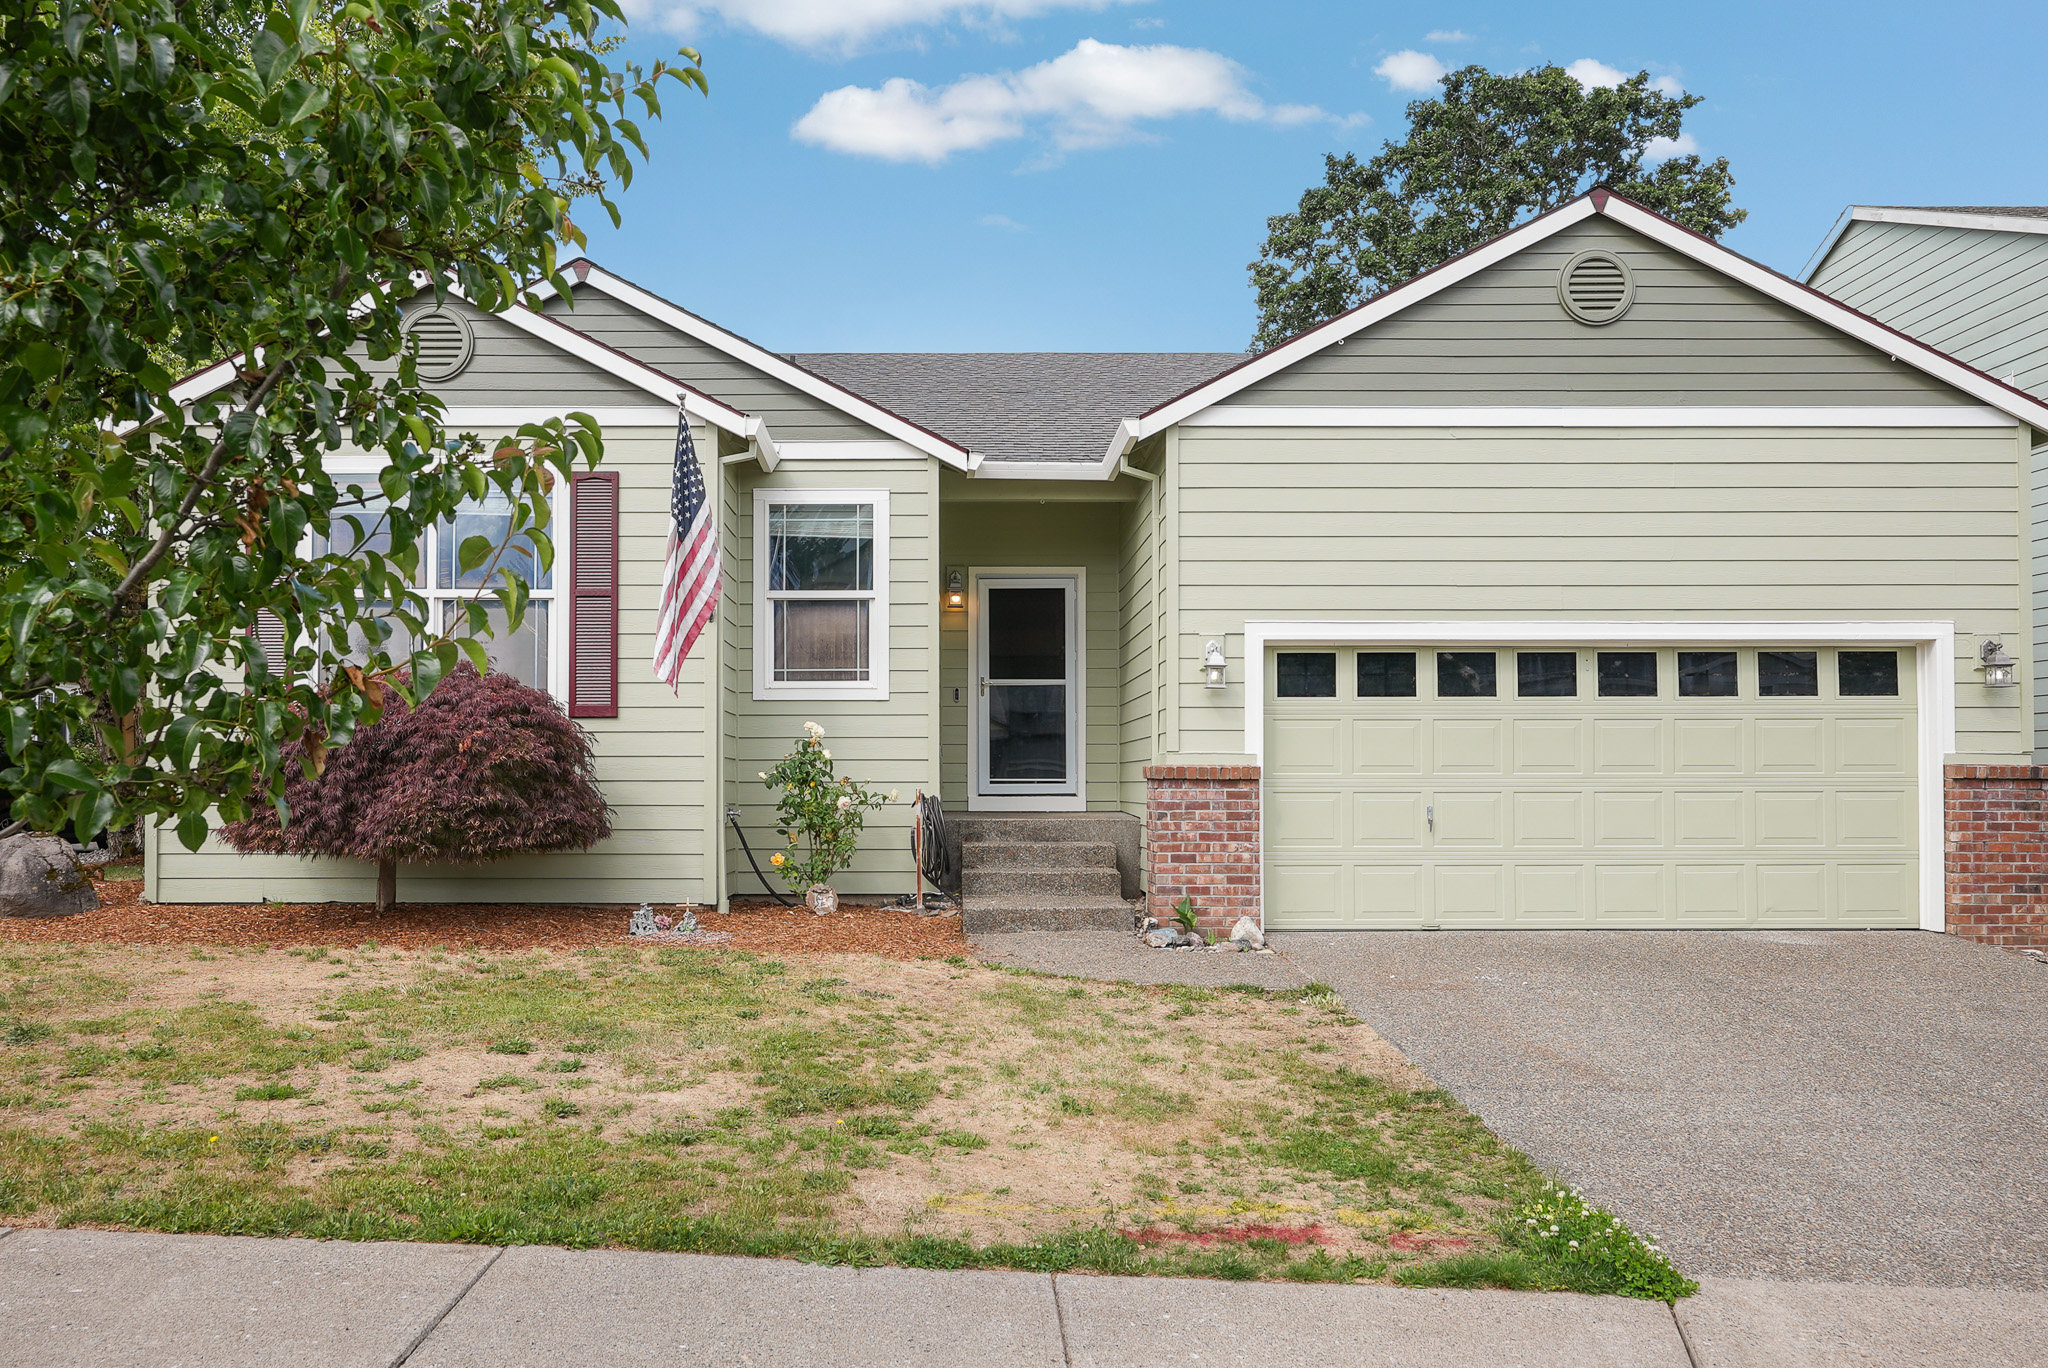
pixel 1045 871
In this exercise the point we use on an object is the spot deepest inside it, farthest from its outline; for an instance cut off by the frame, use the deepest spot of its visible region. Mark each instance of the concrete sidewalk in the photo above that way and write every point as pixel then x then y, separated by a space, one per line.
pixel 116 1300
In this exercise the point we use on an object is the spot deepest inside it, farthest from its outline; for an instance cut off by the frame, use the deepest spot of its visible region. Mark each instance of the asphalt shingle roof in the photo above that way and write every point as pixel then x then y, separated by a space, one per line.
pixel 1020 406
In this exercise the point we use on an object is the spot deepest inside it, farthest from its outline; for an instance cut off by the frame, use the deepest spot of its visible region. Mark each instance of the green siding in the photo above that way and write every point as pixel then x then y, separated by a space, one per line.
pixel 510 367
pixel 1611 524
pixel 1977 294
pixel 1693 336
pixel 1015 535
pixel 885 743
pixel 651 762
pixel 791 414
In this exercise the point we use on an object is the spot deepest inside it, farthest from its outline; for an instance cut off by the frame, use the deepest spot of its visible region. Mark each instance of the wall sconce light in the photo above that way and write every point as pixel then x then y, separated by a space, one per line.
pixel 956 587
pixel 1212 665
pixel 1998 667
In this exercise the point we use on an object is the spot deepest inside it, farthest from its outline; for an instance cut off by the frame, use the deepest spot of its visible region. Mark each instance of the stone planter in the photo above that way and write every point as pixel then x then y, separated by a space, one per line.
pixel 821 899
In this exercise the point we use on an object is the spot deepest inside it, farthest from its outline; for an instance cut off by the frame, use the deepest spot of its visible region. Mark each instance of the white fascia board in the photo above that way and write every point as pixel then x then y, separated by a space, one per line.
pixel 767 362
pixel 1827 244
pixel 1600 416
pixel 887 449
pixel 1131 431
pixel 1811 302
pixel 1933 643
pixel 1046 470
pixel 1947 218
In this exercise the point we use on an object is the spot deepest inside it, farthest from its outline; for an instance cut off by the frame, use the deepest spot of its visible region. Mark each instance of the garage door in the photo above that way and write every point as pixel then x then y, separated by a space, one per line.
pixel 1717 786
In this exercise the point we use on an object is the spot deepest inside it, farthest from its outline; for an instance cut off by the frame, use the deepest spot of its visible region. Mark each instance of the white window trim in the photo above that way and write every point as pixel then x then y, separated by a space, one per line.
pixel 556 597
pixel 766 686
pixel 1933 643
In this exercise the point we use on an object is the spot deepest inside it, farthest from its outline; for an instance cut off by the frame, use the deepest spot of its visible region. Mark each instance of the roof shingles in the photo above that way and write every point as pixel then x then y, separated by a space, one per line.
pixel 1020 406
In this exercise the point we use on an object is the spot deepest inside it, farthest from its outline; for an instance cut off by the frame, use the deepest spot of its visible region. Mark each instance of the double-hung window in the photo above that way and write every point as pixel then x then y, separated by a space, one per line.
pixel 821 593
pixel 529 654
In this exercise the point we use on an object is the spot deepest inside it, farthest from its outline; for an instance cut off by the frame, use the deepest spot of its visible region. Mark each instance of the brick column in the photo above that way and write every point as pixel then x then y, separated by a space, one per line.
pixel 1998 854
pixel 1202 842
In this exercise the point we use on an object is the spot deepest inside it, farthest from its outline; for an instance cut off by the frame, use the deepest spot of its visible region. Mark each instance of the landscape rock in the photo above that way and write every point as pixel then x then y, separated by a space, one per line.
pixel 40 877
pixel 1246 932
pixel 1161 939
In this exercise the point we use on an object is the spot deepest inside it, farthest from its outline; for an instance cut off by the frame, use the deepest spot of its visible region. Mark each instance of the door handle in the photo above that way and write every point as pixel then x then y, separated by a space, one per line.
pixel 984 686
pixel 1429 815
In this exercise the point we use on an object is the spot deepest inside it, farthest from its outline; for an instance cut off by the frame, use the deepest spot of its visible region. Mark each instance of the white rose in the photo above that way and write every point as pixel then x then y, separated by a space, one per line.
pixel 892 795
pixel 828 755
pixel 845 803
pixel 764 776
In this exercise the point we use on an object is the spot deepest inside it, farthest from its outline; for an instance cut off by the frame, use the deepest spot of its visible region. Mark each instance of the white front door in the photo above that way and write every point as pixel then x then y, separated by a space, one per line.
pixel 1026 677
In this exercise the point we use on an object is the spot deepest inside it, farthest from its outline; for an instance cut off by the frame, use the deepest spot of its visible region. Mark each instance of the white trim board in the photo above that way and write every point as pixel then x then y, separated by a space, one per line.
pixel 1928 218
pixel 511 415
pixel 875 688
pixel 2020 406
pixel 760 358
pixel 1598 416
pixel 1934 644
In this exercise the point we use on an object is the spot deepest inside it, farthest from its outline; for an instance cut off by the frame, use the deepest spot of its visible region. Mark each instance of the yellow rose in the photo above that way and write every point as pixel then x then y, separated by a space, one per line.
pixel 777 859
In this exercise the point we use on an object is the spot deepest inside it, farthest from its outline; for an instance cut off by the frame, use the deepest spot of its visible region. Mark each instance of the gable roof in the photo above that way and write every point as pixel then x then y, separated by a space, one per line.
pixel 780 367
pixel 2014 402
pixel 1997 218
pixel 1020 407
pixel 584 348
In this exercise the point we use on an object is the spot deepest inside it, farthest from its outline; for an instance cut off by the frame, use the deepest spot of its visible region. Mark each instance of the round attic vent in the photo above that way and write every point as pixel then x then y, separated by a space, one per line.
pixel 1596 287
pixel 445 342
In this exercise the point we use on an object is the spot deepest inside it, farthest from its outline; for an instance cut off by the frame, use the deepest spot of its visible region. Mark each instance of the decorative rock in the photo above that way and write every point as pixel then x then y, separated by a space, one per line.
pixel 40 877
pixel 1246 932
pixel 1161 939
pixel 1193 940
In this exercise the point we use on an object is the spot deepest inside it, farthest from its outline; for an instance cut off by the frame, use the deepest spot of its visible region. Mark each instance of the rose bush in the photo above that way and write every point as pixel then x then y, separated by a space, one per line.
pixel 820 813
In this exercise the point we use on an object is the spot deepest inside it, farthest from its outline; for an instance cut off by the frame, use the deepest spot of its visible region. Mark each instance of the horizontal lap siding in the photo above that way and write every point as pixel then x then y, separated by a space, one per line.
pixel 651 761
pixel 884 743
pixel 988 535
pixel 1606 523
pixel 1978 294
pixel 1691 337
pixel 1141 710
pixel 791 414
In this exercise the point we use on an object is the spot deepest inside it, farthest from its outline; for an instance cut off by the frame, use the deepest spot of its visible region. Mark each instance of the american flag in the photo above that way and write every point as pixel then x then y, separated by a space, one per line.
pixel 691 578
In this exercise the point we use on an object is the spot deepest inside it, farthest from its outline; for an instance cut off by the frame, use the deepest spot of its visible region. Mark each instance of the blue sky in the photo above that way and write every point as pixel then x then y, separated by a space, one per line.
pixel 1075 175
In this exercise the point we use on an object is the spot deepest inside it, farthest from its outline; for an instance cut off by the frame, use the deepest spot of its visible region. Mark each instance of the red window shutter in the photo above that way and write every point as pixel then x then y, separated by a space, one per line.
pixel 594 594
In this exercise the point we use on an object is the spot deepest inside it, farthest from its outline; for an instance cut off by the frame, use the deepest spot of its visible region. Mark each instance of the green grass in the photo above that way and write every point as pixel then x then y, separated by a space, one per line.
pixel 1218 1119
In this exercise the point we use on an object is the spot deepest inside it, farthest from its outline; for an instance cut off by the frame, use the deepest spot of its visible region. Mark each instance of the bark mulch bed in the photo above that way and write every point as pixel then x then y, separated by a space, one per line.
pixel 758 925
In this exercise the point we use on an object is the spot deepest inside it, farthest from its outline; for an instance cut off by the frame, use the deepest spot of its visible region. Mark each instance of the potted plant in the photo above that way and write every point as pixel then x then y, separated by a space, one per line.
pixel 820 814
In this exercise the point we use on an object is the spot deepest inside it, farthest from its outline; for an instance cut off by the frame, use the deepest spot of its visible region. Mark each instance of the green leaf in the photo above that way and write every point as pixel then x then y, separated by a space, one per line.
pixel 41 360
pixel 70 775
pixel 474 552
pixel 192 830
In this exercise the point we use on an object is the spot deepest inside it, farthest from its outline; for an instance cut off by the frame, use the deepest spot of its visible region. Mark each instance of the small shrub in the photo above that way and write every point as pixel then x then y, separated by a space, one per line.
pixel 820 813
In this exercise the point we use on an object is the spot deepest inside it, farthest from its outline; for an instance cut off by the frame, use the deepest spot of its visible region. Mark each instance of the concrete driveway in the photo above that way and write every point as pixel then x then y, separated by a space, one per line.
pixel 1821 1106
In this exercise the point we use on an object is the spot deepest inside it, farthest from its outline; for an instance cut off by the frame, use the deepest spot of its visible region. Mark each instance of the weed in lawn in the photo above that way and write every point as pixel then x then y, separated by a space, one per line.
pixel 267 1092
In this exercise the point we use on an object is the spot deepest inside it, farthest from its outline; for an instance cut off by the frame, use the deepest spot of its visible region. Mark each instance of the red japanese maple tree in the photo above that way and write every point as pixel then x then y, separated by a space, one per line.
pixel 485 767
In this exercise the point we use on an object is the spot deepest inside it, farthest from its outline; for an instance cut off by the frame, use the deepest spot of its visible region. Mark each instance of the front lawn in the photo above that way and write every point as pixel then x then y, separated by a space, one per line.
pixel 930 1112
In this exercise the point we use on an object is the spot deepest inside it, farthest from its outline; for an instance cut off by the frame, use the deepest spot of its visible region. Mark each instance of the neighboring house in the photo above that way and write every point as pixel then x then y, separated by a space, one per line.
pixel 1973 281
pixel 1600 577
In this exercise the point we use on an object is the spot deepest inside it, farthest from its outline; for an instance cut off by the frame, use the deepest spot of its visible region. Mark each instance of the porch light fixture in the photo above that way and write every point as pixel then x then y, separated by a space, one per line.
pixel 1213 665
pixel 1998 667
pixel 956 587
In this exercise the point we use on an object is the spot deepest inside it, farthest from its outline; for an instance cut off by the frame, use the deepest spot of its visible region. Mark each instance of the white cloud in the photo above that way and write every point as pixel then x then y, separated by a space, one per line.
pixel 1411 70
pixel 1447 36
pixel 1002 221
pixel 1092 96
pixel 1592 74
pixel 845 23
pixel 1664 149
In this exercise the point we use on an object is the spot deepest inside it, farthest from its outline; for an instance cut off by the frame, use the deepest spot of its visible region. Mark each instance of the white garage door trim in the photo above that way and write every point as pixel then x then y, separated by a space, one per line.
pixel 1933 643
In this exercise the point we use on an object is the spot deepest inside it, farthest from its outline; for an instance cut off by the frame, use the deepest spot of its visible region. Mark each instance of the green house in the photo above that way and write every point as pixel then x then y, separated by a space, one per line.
pixel 1600 577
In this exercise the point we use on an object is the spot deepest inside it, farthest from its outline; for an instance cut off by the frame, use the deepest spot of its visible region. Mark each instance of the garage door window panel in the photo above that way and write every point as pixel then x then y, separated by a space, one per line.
pixel 1386 674
pixel 1627 674
pixel 1867 674
pixel 1788 674
pixel 1547 674
pixel 1707 674
pixel 1466 674
pixel 1307 674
